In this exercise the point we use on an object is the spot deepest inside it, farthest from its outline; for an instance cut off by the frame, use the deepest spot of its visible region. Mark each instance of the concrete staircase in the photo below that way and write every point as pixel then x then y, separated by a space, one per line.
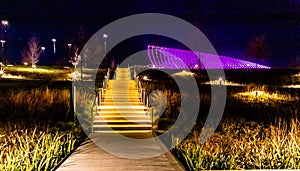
pixel 121 109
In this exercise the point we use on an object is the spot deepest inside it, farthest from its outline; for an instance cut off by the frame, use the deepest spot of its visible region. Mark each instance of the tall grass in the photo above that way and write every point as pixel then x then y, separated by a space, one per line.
pixel 245 145
pixel 35 105
pixel 35 149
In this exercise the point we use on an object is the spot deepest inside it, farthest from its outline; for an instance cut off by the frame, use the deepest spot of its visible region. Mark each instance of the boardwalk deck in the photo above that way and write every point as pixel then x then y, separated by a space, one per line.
pixel 118 112
pixel 91 157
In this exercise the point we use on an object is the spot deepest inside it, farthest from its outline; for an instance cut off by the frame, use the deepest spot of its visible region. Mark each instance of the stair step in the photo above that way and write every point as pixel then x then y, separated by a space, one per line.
pixel 122 88
pixel 123 95
pixel 123 131
pixel 123 112
pixel 121 124
pixel 122 107
pixel 122 121
pixel 116 90
pixel 121 103
pixel 114 117
pixel 123 127
pixel 121 100
pixel 132 92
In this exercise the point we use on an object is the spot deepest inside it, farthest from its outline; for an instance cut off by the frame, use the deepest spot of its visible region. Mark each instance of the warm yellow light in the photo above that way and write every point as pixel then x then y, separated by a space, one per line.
pixel 257 93
pixel 26 63
pixel 262 96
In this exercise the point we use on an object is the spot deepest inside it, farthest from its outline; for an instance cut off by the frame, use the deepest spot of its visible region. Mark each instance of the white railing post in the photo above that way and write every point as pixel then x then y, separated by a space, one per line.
pixel 134 72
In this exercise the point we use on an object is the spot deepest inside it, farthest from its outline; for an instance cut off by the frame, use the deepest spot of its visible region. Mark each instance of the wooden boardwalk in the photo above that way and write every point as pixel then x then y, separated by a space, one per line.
pixel 91 157
pixel 121 111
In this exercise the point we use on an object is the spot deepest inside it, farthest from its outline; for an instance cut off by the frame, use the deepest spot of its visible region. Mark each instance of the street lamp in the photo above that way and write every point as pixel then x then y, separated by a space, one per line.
pixel 105 36
pixel 2 49
pixel 54 49
pixel 43 50
pixel 70 46
pixel 2 42
pixel 5 24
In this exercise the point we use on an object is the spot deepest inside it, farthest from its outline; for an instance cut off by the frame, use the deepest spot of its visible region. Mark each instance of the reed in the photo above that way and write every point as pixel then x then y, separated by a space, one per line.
pixel 245 145
pixel 35 149
pixel 49 105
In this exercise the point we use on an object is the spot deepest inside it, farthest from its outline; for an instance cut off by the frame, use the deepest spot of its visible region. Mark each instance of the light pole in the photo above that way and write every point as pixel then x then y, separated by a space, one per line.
pixel 5 24
pixel 74 62
pixel 2 49
pixel 105 36
pixel 70 46
pixel 54 49
pixel 43 50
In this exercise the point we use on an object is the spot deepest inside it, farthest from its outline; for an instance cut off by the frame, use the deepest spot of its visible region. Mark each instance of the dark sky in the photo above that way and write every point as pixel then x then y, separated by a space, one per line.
pixel 228 24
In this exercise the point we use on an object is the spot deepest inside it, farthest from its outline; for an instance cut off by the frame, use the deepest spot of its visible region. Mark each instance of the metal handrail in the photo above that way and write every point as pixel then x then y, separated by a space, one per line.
pixel 100 93
pixel 102 90
pixel 145 100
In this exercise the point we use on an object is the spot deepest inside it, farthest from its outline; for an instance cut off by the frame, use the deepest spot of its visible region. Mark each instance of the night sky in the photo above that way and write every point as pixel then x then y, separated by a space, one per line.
pixel 228 24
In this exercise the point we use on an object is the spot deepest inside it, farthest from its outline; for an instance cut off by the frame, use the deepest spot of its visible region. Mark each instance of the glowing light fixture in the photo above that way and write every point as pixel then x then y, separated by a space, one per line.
pixel 2 42
pixel 4 22
pixel 105 36
pixel 54 49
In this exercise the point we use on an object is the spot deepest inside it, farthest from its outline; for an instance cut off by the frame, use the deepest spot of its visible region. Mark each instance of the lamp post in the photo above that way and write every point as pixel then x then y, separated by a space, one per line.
pixel 74 62
pixel 105 36
pixel 54 48
pixel 5 24
pixel 43 50
pixel 2 49
pixel 69 52
pixel 70 46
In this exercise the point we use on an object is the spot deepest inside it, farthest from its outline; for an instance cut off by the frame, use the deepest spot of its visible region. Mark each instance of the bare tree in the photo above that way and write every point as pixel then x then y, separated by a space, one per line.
pixel 31 54
pixel 258 49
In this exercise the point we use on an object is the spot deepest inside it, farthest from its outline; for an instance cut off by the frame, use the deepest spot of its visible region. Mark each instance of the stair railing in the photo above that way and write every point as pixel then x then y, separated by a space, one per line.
pixel 101 91
pixel 145 101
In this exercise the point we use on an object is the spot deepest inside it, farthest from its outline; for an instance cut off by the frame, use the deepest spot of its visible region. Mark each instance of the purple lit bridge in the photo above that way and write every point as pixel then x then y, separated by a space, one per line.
pixel 170 58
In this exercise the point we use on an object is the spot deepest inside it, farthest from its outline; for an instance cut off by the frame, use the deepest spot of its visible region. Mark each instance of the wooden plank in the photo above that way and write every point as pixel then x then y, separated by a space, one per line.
pixel 91 157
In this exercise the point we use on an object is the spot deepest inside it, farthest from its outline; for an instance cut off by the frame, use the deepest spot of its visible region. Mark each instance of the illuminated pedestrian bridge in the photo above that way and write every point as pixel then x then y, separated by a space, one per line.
pixel 170 58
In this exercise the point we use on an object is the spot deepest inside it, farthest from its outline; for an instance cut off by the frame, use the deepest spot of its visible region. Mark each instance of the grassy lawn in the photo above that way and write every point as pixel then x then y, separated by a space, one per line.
pixel 41 72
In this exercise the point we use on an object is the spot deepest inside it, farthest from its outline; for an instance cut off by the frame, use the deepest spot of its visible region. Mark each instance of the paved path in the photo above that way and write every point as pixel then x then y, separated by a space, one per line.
pixel 91 157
